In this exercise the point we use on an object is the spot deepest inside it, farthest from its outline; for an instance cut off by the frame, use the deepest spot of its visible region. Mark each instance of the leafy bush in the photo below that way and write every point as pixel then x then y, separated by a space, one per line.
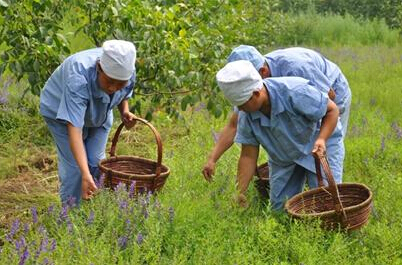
pixel 180 45
pixel 34 45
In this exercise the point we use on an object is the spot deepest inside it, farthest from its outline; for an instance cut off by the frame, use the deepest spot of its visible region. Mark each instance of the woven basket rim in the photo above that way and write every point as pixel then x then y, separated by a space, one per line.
pixel 363 204
pixel 164 169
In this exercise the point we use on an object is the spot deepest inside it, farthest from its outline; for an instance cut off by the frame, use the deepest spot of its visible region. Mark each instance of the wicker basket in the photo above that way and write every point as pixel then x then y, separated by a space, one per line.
pixel 347 205
pixel 148 175
pixel 261 181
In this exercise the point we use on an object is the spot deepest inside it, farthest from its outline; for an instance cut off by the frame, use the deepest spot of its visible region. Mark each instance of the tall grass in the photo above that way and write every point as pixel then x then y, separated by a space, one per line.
pixel 195 222
pixel 329 30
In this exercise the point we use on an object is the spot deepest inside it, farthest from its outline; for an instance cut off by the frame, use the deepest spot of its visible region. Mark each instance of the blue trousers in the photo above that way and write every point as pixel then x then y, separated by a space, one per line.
pixel 287 181
pixel 95 140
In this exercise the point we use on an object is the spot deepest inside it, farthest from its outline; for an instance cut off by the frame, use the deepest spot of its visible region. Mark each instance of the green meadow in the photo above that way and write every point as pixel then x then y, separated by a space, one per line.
pixel 192 221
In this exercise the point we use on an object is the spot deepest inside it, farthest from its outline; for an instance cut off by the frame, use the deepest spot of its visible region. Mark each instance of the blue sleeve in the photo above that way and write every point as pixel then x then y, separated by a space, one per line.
pixel 309 102
pixel 75 98
pixel 131 87
pixel 244 134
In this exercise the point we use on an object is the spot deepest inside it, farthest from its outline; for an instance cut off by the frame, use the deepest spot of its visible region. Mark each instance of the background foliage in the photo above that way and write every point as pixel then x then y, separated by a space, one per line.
pixel 388 10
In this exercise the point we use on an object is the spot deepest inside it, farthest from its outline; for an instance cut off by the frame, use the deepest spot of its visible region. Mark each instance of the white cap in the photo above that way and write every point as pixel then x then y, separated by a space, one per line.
pixel 238 80
pixel 118 59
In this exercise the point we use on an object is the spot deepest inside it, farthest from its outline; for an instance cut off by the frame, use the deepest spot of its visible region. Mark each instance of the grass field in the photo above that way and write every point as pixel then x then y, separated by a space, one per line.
pixel 192 221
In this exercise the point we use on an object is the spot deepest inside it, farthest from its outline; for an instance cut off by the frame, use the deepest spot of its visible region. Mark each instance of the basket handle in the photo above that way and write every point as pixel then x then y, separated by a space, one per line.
pixel 333 188
pixel 157 138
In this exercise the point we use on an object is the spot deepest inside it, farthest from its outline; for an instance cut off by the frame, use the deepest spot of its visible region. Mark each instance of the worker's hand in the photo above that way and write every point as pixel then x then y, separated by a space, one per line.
pixel 88 187
pixel 128 119
pixel 319 149
pixel 241 200
pixel 331 94
pixel 209 170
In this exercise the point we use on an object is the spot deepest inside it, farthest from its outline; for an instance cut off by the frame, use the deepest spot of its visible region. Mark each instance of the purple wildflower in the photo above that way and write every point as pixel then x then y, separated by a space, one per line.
pixel 24 256
pixel 142 201
pixel 123 204
pixel 44 243
pixel 50 209
pixel 53 245
pixel 171 213
pixel 102 181
pixel 42 230
pixel 140 238
pixel 382 144
pixel 3 99
pixel 34 215
pixel 131 192
pixel 122 241
pixel 42 247
pixel 63 213
pixel 71 202
pixel 121 187
pixel 91 216
pixel 69 225
pixel 145 212
pixel 200 106
pixel 45 261
pixel 397 130
pixel 26 228
pixel 148 197
pixel 20 244
pixel 96 180
pixel 14 229
pixel 128 224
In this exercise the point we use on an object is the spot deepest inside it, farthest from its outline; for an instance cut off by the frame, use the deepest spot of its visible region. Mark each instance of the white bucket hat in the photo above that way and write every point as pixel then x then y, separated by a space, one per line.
pixel 118 59
pixel 238 80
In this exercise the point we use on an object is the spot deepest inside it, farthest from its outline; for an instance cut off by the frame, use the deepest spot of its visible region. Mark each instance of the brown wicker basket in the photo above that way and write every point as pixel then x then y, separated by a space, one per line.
pixel 347 205
pixel 148 175
pixel 261 181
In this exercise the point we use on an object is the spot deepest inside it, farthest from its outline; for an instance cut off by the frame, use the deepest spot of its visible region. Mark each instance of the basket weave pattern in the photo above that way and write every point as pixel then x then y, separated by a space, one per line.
pixel 347 204
pixel 148 175
pixel 261 181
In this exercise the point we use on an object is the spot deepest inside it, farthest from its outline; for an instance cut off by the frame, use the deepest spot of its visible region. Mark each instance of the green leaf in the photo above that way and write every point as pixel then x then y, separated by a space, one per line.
pixel 185 101
pixel 3 3
pixel 36 66
pixel 2 68
pixel 115 12
pixel 4 57
pixel 182 33
pixel 217 112
pixel 61 36
pixel 32 79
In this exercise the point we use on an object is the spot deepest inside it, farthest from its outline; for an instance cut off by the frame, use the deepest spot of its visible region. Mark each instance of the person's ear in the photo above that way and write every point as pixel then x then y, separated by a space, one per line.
pixel 256 93
pixel 264 71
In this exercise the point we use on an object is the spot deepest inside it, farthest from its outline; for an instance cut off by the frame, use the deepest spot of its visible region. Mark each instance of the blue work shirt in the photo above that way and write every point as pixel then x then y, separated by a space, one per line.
pixel 72 93
pixel 311 65
pixel 289 133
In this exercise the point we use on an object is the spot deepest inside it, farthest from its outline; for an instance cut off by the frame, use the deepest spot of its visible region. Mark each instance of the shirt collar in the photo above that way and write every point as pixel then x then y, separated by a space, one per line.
pixel 276 106
pixel 97 91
